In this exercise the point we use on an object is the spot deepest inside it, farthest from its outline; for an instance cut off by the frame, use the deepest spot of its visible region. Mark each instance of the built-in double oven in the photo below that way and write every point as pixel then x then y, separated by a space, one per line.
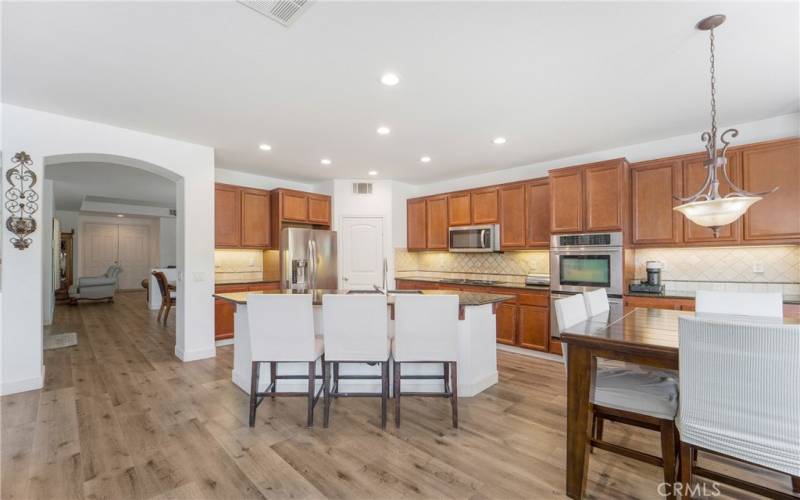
pixel 584 262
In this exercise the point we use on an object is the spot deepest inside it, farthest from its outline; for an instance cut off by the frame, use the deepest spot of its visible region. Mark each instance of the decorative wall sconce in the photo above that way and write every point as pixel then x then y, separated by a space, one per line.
pixel 21 200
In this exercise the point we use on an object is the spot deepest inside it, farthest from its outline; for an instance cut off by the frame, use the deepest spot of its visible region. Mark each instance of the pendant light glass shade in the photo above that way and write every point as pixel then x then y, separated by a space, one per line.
pixel 719 212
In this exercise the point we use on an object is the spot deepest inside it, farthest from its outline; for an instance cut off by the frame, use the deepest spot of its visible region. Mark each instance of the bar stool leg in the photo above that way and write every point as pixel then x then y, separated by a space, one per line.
pixel 273 377
pixel 446 370
pixel 454 394
pixel 326 379
pixel 397 394
pixel 253 392
pixel 384 391
pixel 312 378
pixel 335 377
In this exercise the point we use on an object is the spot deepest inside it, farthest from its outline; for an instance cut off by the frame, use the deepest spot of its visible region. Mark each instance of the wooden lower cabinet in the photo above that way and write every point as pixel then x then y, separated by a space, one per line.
pixel 223 310
pixel 660 303
pixel 534 328
pixel 506 323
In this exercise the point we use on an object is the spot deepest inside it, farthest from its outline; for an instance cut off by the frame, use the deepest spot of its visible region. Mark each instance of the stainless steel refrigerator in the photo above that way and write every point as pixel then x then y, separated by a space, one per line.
pixel 308 259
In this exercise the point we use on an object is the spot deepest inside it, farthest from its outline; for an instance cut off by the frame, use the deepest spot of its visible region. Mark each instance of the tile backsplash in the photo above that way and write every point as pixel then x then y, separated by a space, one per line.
pixel 244 264
pixel 506 266
pixel 774 264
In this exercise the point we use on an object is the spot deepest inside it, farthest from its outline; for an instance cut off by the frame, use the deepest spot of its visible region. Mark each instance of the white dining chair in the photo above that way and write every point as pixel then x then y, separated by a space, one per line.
pixel 282 331
pixel 740 397
pixel 740 303
pixel 356 331
pixel 426 331
pixel 643 398
pixel 596 302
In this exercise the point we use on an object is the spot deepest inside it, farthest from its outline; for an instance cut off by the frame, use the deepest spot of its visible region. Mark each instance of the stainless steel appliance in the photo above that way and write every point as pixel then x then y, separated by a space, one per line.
pixel 308 259
pixel 485 238
pixel 653 268
pixel 537 279
pixel 584 262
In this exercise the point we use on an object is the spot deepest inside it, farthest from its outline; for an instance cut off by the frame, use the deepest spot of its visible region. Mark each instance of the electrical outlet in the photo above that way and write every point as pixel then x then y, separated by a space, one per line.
pixel 758 268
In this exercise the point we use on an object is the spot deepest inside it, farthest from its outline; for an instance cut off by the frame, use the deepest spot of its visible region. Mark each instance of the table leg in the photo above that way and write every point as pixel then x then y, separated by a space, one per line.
pixel 579 414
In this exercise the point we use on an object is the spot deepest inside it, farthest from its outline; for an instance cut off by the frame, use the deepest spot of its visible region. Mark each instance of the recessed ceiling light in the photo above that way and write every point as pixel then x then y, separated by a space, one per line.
pixel 373 173
pixel 120 215
pixel 425 159
pixel 390 79
pixel 326 161
pixel 499 140
pixel 384 130
pixel 265 147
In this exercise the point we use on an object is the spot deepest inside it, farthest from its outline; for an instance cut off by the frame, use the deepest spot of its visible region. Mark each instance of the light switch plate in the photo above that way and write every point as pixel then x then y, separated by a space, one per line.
pixel 199 276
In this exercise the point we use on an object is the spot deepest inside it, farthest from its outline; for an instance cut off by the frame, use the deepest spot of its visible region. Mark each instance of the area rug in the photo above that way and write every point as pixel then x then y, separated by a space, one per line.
pixel 60 340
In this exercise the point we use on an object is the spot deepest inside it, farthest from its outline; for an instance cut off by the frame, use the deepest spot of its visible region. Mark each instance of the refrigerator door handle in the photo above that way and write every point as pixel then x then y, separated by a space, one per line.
pixel 385 270
pixel 314 257
pixel 310 265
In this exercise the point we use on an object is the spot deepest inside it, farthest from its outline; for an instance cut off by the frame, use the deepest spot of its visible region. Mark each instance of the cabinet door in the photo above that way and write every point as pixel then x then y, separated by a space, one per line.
pixel 777 216
pixel 694 175
pixel 484 206
pixel 295 206
pixel 458 209
pixel 534 329
pixel 319 210
pixel 223 312
pixel 506 316
pixel 415 225
pixel 227 216
pixel 537 199
pixel 436 222
pixel 652 187
pixel 604 187
pixel 566 201
pixel 512 216
pixel 255 218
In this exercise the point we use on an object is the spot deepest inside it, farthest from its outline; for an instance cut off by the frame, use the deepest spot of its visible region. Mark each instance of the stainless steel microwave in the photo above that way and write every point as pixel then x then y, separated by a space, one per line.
pixel 484 238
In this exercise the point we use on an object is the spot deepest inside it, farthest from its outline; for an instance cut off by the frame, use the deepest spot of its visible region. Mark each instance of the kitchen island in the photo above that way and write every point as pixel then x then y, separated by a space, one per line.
pixel 477 356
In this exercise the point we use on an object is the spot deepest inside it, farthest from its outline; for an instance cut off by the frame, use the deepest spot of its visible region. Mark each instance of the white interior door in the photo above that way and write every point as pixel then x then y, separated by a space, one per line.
pixel 134 255
pixel 99 248
pixel 362 252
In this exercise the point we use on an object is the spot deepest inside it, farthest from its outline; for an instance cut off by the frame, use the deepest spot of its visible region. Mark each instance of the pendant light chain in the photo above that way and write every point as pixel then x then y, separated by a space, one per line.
pixel 713 98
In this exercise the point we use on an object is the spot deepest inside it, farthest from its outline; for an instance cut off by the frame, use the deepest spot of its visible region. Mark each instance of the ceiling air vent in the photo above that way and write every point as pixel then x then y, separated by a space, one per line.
pixel 285 12
pixel 362 188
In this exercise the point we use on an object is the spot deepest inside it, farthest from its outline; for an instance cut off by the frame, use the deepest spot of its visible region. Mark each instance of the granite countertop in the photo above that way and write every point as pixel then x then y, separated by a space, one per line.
pixel 497 284
pixel 464 298
pixel 690 294
pixel 243 281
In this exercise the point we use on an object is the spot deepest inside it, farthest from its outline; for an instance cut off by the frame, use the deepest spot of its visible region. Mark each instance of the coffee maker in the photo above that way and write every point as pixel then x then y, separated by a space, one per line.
pixel 653 283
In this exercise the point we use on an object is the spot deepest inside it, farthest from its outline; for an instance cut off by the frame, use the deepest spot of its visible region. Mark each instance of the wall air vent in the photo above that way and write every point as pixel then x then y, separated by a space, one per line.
pixel 362 188
pixel 284 12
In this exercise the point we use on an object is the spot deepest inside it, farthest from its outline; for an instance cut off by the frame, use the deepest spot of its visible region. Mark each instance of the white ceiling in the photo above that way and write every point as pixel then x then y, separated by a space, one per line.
pixel 72 182
pixel 556 79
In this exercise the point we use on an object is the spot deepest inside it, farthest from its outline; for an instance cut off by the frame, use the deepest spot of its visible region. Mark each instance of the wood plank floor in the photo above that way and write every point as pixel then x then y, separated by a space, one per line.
pixel 121 417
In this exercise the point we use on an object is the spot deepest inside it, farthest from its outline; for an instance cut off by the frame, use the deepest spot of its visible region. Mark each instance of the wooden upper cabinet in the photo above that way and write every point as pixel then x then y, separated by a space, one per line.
pixel 484 206
pixel 255 218
pixel 295 206
pixel 653 184
pixel 694 176
pixel 416 224
pixel 319 209
pixel 436 222
pixel 777 216
pixel 566 200
pixel 227 216
pixel 604 188
pixel 537 201
pixel 512 216
pixel 459 212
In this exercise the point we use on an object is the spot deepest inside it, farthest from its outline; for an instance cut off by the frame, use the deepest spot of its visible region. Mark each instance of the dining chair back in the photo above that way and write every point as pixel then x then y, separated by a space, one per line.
pixel 596 302
pixel 356 327
pixel 167 295
pixel 740 303
pixel 281 327
pixel 739 392
pixel 570 311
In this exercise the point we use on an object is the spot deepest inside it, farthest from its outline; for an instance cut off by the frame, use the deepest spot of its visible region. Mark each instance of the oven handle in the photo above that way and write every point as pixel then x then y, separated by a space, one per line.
pixel 484 242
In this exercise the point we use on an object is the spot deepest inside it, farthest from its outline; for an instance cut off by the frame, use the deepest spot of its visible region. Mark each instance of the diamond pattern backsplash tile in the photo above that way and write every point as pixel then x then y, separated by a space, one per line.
pixel 507 266
pixel 780 264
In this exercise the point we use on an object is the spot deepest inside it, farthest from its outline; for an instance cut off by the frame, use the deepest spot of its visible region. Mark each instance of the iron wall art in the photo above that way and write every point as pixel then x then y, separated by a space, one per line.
pixel 21 200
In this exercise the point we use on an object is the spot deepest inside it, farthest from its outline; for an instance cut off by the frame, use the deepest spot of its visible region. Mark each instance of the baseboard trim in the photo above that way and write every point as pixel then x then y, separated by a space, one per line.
pixel 220 343
pixel 24 385
pixel 195 355
pixel 530 353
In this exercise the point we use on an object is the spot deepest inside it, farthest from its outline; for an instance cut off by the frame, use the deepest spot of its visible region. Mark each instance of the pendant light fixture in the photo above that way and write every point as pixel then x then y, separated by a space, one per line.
pixel 707 207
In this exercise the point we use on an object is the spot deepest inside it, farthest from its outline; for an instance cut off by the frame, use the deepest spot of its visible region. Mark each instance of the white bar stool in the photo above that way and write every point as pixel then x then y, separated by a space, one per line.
pixel 356 331
pixel 426 331
pixel 282 331
pixel 596 302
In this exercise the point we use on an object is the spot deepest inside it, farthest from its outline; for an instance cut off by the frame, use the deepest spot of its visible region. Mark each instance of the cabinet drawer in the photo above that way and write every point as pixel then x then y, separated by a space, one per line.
pixel 534 299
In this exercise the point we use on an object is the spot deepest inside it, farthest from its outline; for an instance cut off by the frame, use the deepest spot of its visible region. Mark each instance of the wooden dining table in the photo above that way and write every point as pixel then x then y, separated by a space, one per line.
pixel 644 336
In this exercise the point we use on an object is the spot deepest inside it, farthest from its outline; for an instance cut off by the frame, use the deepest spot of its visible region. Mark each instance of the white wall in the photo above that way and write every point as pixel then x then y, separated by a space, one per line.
pixel 167 241
pixel 53 139
pixel 258 181
pixel 47 204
